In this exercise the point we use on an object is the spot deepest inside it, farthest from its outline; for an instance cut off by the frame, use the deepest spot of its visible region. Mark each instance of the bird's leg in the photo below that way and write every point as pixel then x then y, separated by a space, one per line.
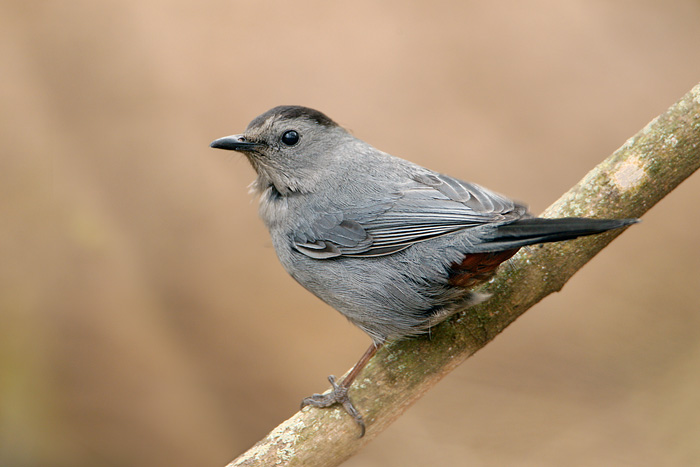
pixel 339 393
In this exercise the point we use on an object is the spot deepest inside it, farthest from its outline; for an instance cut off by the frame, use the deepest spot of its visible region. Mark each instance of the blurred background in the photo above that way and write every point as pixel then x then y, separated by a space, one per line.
pixel 144 318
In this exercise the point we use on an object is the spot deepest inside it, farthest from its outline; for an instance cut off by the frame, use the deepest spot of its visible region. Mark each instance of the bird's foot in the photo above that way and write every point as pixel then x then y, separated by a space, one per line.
pixel 337 395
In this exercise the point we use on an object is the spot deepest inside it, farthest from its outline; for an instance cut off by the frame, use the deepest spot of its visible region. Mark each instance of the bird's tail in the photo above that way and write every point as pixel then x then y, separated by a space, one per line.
pixel 539 230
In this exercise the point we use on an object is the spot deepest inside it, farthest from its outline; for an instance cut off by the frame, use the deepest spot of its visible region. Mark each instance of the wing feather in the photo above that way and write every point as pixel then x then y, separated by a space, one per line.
pixel 430 206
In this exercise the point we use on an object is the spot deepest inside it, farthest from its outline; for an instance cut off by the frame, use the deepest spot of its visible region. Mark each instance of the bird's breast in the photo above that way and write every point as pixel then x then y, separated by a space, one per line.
pixel 273 208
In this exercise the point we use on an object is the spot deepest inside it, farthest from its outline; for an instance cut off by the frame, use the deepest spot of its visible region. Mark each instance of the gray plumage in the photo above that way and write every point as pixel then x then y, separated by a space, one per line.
pixel 375 236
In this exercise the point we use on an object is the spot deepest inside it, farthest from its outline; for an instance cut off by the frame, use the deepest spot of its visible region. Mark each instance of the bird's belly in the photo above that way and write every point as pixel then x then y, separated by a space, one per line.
pixel 389 296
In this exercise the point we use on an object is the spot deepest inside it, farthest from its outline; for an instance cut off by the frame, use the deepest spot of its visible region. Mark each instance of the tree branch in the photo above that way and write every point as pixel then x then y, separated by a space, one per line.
pixel 627 184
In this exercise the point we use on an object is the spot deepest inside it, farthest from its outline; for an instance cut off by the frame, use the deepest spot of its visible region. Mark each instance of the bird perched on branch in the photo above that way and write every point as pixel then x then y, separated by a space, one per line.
pixel 393 246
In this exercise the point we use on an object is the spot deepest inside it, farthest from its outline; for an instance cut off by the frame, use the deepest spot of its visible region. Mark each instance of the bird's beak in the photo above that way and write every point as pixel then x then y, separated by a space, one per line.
pixel 235 143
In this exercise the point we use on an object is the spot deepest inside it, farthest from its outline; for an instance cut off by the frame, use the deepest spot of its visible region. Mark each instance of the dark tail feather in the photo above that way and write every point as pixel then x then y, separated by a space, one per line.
pixel 539 230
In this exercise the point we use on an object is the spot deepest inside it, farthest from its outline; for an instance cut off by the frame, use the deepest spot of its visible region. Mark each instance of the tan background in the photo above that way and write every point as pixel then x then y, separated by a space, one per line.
pixel 144 317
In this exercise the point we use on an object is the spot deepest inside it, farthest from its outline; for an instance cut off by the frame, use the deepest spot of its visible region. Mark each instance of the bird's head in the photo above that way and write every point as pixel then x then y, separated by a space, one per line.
pixel 292 148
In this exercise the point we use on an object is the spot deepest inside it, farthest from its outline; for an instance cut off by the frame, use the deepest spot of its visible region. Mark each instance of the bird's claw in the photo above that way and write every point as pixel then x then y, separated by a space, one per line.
pixel 338 395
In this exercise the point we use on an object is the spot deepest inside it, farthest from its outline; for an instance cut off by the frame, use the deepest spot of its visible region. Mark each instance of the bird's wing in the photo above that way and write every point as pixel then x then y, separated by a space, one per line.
pixel 430 205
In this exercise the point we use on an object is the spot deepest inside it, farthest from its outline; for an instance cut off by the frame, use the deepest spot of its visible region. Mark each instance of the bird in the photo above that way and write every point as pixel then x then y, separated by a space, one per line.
pixel 395 247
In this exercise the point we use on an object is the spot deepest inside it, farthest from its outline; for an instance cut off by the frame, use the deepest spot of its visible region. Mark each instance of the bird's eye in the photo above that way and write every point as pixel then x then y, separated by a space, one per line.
pixel 290 138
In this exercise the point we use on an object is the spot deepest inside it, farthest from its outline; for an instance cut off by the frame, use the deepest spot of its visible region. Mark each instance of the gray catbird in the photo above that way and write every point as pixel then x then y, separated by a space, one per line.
pixel 394 247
